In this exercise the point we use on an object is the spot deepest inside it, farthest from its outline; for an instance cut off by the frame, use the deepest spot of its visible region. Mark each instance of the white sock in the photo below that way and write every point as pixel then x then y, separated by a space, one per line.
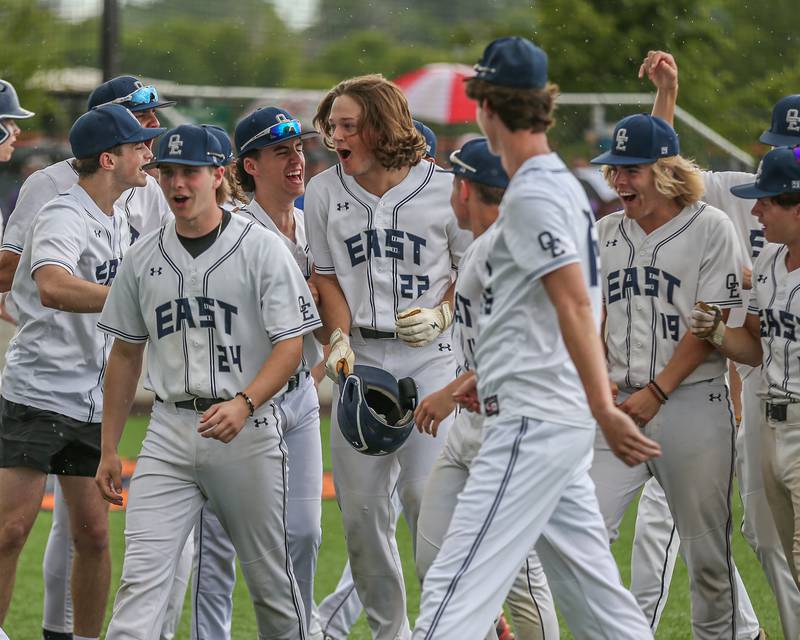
pixel 75 637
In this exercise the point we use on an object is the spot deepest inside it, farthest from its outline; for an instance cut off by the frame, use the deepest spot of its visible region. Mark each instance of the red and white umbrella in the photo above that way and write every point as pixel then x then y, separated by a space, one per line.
pixel 436 93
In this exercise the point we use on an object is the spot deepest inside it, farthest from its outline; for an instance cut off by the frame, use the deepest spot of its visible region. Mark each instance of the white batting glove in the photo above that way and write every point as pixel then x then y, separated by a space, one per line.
pixel 706 323
pixel 418 327
pixel 341 356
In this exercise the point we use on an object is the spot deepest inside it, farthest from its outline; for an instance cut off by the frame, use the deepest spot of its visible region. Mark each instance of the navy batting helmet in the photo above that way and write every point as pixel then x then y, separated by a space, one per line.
pixel 10 108
pixel 375 410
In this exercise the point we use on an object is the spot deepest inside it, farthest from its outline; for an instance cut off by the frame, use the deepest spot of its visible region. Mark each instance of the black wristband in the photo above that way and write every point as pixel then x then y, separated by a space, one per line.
pixel 251 407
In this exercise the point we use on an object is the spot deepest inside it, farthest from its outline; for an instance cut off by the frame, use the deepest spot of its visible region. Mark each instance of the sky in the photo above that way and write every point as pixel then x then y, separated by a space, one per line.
pixel 297 13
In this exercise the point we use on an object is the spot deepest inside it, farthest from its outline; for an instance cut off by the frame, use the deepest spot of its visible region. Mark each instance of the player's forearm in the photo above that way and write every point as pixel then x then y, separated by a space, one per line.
pixel 119 390
pixel 740 345
pixel 664 104
pixel 566 289
pixel 690 353
pixel 60 290
pixel 333 308
pixel 8 267
pixel 449 295
pixel 276 370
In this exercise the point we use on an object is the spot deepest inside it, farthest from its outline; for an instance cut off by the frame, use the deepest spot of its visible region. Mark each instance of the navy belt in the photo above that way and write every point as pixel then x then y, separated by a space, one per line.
pixel 196 404
pixel 374 334
pixel 295 380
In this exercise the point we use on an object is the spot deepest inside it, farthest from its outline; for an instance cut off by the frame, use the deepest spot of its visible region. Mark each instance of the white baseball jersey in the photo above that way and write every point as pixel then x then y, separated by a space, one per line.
pixel 472 279
pixel 652 281
pixel 301 252
pixel 56 359
pixel 145 208
pixel 524 368
pixel 211 320
pixel 389 253
pixel 776 301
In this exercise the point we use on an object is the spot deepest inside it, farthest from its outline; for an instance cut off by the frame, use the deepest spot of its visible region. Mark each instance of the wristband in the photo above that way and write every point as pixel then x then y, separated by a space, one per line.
pixel 250 406
pixel 657 391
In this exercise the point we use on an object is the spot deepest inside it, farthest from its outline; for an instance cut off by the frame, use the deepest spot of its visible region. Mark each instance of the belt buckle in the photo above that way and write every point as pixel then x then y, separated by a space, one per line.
pixel 776 412
pixel 194 405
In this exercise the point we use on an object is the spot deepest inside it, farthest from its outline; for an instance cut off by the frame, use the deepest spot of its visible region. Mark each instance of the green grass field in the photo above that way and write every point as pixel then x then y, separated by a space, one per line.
pixel 24 619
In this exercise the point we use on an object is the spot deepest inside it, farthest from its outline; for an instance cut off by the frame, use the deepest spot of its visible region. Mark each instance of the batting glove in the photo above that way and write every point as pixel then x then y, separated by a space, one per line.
pixel 706 323
pixel 418 327
pixel 341 356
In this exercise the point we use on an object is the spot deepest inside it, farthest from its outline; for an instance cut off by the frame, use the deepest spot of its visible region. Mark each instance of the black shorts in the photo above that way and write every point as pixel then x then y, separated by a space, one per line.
pixel 47 441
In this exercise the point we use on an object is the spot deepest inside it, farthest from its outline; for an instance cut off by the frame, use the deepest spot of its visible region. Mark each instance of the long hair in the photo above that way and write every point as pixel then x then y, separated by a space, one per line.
pixel 675 177
pixel 385 124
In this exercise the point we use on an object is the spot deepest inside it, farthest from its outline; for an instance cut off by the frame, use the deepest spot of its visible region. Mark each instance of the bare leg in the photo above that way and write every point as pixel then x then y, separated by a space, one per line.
pixel 21 491
pixel 91 568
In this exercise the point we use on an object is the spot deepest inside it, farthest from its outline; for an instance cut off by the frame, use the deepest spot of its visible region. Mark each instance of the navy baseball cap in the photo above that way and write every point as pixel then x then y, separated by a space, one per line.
pixel 189 144
pixel 224 141
pixel 129 92
pixel 785 128
pixel 266 127
pixel 474 162
pixel 640 139
pixel 513 62
pixel 778 172
pixel 104 127
pixel 430 138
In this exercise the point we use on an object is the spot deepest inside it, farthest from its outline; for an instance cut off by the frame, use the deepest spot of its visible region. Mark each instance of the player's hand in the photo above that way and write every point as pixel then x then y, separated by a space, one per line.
pixel 641 406
pixel 614 390
pixel 341 356
pixel 627 442
pixel 661 69
pixel 466 395
pixel 224 421
pixel 706 323
pixel 420 326
pixel 432 410
pixel 109 478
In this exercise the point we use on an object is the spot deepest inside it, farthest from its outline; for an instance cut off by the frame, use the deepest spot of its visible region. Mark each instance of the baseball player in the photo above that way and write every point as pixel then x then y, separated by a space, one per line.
pixel 270 164
pixel 384 243
pixel 655 545
pixel 52 400
pixel 541 383
pixel 663 252
pixel 339 611
pixel 768 337
pixel 146 210
pixel 223 306
pixel 10 112
pixel 477 191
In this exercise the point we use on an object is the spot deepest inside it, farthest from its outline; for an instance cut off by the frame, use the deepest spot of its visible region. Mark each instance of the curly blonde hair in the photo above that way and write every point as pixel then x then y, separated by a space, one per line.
pixel 676 177
pixel 385 124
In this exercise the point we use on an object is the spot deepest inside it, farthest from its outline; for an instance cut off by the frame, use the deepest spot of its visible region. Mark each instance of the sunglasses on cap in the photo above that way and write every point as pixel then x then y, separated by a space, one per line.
pixel 455 159
pixel 278 131
pixel 142 95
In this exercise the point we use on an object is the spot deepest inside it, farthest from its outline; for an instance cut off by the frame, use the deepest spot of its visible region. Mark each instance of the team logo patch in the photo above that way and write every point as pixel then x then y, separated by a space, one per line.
pixel 491 406
pixel 155 271
pixel 443 346
pixel 762 278
pixel 611 243
pixel 793 120
pixel 622 140
pixel 342 206
pixel 664 151
pixel 549 242
pixel 98 232
pixel 715 397
pixel 732 285
pixel 260 422
pixel 175 144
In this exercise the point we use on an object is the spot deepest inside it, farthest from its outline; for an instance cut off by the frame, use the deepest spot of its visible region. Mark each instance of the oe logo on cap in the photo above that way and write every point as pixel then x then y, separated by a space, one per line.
pixel 175 144
pixel 622 139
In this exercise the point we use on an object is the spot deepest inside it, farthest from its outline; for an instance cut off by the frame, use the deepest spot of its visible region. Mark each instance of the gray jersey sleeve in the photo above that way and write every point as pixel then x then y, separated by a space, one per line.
pixel 316 215
pixel 122 313
pixel 537 236
pixel 37 190
pixel 287 308
pixel 58 237
pixel 720 271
